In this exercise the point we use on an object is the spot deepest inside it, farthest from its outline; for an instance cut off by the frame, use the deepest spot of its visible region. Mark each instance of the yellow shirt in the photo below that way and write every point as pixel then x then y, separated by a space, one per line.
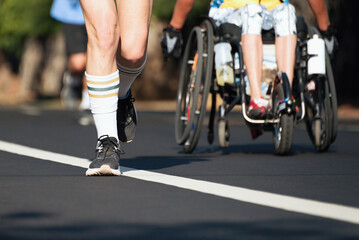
pixel 269 4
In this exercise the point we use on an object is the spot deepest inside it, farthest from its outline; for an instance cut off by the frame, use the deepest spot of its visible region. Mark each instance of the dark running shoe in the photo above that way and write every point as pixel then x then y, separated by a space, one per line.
pixel 70 93
pixel 107 158
pixel 126 119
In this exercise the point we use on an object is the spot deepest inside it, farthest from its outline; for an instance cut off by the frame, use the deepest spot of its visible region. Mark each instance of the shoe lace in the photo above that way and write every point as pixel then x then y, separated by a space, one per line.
pixel 107 144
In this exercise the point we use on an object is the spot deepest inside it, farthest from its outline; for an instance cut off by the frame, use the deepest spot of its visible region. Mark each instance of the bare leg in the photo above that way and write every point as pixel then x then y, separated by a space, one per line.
pixel 76 66
pixel 252 55
pixel 285 54
pixel 131 55
pixel 103 35
pixel 101 70
pixel 77 63
pixel 134 32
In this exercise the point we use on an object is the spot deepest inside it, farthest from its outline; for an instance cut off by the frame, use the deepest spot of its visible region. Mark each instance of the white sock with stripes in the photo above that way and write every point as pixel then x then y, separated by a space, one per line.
pixel 128 75
pixel 103 92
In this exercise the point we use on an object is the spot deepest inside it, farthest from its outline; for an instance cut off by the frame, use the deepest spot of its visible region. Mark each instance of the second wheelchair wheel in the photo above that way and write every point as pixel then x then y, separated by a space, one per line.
pixel 319 119
pixel 223 133
pixel 329 77
pixel 283 130
pixel 189 85
pixel 333 98
pixel 203 88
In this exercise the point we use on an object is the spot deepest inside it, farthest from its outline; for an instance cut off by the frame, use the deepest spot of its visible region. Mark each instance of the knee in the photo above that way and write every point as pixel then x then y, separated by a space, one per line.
pixel 104 38
pixel 133 56
pixel 133 50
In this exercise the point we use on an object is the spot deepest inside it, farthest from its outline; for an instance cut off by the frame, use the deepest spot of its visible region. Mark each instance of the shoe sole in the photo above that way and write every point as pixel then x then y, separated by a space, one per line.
pixel 128 132
pixel 127 135
pixel 104 170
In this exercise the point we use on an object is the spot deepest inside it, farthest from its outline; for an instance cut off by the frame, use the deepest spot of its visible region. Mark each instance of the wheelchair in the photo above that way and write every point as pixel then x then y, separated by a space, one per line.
pixel 316 105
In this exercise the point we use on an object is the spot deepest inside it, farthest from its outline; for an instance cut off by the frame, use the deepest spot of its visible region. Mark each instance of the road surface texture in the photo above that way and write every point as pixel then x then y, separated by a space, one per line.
pixel 246 192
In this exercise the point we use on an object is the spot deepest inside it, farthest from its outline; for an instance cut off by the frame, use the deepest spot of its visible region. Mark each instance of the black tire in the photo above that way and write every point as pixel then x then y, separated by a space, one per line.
pixel 189 85
pixel 204 86
pixel 332 98
pixel 320 129
pixel 332 90
pixel 283 130
pixel 223 133
pixel 323 130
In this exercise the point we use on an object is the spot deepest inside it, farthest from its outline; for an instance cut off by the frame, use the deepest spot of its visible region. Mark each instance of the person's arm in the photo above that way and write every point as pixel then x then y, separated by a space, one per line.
pixel 321 13
pixel 172 41
pixel 180 12
pixel 326 30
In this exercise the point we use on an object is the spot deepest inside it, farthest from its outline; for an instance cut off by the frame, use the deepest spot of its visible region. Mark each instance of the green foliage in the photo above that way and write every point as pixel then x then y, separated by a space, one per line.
pixel 20 19
pixel 163 9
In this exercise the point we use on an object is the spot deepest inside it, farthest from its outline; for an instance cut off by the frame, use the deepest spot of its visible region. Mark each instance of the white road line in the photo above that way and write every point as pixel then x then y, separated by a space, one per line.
pixel 288 203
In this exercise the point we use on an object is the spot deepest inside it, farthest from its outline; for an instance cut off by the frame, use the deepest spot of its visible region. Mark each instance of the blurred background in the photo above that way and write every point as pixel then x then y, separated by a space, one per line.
pixel 33 59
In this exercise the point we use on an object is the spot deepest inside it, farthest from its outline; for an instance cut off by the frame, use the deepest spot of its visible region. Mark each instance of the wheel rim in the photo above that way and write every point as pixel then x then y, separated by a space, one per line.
pixel 202 88
pixel 189 80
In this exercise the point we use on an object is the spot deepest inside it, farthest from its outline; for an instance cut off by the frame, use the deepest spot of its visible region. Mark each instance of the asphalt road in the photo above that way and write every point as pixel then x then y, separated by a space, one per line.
pixel 244 193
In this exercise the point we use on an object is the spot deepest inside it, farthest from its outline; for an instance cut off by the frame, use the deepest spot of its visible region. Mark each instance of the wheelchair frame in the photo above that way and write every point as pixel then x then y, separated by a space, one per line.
pixel 197 79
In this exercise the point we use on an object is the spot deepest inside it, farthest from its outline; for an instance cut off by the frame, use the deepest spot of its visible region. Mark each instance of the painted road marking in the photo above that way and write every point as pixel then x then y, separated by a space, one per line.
pixel 288 203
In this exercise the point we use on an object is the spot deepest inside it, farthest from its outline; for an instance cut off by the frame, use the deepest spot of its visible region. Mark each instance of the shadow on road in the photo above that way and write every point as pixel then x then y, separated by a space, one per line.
pixel 265 229
pixel 159 162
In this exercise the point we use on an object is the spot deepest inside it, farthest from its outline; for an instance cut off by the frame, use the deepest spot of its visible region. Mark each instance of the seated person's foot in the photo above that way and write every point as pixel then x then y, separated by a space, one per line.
pixel 257 108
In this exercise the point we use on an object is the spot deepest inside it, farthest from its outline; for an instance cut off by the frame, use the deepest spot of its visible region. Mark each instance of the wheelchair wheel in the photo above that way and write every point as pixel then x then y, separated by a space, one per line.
pixel 329 77
pixel 188 86
pixel 319 120
pixel 332 97
pixel 322 108
pixel 283 130
pixel 205 78
pixel 223 133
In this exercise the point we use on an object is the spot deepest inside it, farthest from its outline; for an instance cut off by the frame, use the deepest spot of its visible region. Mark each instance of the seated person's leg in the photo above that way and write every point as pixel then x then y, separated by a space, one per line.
pixel 285 52
pixel 252 55
pixel 286 40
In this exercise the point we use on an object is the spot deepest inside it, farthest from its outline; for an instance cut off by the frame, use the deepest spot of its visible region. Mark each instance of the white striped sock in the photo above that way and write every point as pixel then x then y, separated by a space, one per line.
pixel 103 92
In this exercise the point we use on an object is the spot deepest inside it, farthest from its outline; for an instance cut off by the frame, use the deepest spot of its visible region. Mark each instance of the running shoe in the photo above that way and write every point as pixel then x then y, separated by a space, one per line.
pixel 86 118
pixel 126 119
pixel 70 91
pixel 107 158
pixel 257 108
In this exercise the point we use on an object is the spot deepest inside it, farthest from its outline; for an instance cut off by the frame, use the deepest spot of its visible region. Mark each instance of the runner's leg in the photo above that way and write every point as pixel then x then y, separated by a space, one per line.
pixel 131 54
pixel 101 70
pixel 131 59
